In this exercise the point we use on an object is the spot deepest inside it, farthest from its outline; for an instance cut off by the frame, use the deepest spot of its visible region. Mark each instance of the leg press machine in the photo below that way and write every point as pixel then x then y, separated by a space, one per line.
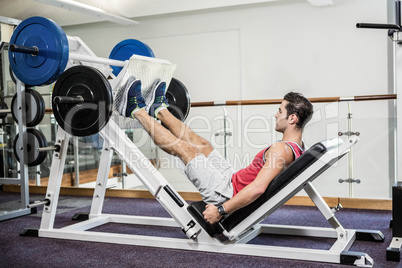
pixel 238 228
pixel 232 233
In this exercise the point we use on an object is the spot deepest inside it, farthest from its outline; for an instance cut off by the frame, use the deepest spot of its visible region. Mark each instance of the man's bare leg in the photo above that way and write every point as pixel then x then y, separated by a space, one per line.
pixel 182 145
pixel 183 132
pixel 165 139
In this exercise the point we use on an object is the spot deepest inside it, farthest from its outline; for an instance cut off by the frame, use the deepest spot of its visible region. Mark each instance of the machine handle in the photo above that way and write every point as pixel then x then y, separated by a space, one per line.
pixel 173 195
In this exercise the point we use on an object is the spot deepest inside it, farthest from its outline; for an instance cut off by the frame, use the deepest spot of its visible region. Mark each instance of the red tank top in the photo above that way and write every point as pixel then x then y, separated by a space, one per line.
pixel 245 176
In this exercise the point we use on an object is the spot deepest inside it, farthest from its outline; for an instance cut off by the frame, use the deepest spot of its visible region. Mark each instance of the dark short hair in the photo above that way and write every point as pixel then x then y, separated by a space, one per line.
pixel 300 106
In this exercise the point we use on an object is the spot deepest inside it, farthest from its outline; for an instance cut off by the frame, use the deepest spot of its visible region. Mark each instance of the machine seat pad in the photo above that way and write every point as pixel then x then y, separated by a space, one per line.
pixel 284 178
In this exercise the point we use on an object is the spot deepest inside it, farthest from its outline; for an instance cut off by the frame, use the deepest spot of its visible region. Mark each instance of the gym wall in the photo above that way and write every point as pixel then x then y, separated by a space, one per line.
pixel 263 51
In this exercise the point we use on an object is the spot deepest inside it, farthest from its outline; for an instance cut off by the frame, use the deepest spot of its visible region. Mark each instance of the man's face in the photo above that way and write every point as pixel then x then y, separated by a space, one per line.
pixel 281 117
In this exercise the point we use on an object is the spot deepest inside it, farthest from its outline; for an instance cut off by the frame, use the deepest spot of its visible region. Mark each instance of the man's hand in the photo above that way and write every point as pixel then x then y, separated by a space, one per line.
pixel 211 214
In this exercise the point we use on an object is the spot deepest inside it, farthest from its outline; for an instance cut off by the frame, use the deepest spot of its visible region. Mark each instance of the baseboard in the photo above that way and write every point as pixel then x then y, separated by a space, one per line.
pixel 356 203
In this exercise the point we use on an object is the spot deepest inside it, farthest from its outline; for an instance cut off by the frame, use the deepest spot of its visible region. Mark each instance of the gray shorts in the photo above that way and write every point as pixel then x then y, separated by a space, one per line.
pixel 212 176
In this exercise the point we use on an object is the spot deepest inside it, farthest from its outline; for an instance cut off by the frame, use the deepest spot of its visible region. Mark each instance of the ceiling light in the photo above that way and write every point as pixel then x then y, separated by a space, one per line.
pixel 88 10
pixel 321 3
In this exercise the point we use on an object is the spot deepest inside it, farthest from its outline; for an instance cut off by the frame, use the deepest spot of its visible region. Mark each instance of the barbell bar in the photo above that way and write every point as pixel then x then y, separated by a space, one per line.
pixel 24 49
pixel 68 100
pixel 55 148
pixel 34 51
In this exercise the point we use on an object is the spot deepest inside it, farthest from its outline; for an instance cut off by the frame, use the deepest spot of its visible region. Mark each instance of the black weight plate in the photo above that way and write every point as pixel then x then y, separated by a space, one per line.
pixel 34 105
pixel 42 143
pixel 42 155
pixel 3 106
pixel 35 140
pixel 179 99
pixel 92 115
pixel 40 113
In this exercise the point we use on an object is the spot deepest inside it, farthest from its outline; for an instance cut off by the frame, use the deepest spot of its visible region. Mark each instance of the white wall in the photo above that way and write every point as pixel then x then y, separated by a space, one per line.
pixel 262 51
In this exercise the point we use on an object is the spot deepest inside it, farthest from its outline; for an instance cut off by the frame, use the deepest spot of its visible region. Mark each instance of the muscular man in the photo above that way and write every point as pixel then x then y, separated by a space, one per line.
pixel 221 187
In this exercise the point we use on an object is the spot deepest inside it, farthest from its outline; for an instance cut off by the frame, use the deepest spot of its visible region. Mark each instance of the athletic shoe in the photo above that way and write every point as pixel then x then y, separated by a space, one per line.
pixel 132 99
pixel 160 101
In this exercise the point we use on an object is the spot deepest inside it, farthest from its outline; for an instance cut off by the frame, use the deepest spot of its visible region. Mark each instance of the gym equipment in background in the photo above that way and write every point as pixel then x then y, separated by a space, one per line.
pixel 393 252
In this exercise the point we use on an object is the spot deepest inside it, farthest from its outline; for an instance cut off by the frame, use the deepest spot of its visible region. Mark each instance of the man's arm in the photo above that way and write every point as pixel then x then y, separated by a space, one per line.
pixel 277 158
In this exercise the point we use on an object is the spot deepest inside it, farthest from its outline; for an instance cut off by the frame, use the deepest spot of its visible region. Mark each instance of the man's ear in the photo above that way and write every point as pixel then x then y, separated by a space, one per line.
pixel 293 119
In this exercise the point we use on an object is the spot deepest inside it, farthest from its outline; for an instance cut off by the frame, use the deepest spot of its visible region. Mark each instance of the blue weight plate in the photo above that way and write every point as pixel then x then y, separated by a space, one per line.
pixel 49 64
pixel 126 48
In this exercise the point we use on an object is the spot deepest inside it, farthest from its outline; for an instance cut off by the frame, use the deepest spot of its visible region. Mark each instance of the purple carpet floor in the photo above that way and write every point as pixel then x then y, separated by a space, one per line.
pixel 18 251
